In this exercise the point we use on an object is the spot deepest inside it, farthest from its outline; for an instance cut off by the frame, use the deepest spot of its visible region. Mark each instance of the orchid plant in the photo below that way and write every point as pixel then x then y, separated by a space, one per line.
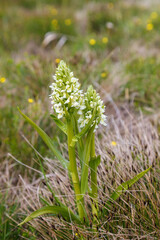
pixel 78 115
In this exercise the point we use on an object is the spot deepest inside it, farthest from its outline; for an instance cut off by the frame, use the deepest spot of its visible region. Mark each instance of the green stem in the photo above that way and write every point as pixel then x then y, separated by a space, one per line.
pixel 79 143
pixel 94 186
pixel 73 171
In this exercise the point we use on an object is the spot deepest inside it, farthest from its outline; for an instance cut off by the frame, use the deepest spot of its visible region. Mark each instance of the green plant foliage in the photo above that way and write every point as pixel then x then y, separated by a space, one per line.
pixel 59 123
pixel 77 137
pixel 8 227
pixel 125 186
pixel 95 161
pixel 69 101
pixel 85 164
pixel 63 211
pixel 47 140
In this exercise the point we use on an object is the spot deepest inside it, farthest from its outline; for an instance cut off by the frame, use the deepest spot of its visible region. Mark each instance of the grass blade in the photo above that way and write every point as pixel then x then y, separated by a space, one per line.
pixel 47 140
pixel 65 212
pixel 50 188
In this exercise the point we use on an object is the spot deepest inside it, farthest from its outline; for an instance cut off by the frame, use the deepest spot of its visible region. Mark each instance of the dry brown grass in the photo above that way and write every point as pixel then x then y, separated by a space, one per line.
pixel 134 216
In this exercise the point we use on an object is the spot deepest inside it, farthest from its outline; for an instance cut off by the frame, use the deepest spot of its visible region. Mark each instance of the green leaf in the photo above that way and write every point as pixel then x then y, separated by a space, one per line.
pixel 95 161
pixel 65 212
pixel 59 123
pixel 47 141
pixel 126 185
pixel 84 176
pixel 83 132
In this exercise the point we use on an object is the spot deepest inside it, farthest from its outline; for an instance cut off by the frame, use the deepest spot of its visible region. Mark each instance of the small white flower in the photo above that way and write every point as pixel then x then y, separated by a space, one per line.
pixel 60 115
pixel 79 112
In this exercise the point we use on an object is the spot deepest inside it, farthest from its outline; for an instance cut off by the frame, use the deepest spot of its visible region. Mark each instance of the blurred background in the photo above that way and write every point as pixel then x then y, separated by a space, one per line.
pixel 113 44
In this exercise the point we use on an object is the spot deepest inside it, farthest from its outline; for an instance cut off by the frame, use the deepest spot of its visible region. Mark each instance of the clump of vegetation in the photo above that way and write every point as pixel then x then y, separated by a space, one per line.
pixel 114 47
pixel 81 113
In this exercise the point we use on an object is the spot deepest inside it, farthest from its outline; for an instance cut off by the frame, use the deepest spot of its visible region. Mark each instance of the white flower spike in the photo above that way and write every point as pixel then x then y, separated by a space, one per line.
pixel 66 95
pixel 93 103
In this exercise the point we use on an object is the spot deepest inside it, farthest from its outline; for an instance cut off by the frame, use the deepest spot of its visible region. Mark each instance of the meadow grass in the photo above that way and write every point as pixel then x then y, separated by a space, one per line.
pixel 126 150
pixel 126 65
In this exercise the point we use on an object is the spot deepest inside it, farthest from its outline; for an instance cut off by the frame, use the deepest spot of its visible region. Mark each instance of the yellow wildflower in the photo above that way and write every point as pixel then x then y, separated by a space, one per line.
pixel 68 22
pixel 54 22
pixel 113 143
pixel 105 40
pixel 57 60
pixel 30 100
pixel 54 11
pixel 103 74
pixel 2 79
pixel 154 15
pixel 110 5
pixel 76 234
pixel 92 41
pixel 149 26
